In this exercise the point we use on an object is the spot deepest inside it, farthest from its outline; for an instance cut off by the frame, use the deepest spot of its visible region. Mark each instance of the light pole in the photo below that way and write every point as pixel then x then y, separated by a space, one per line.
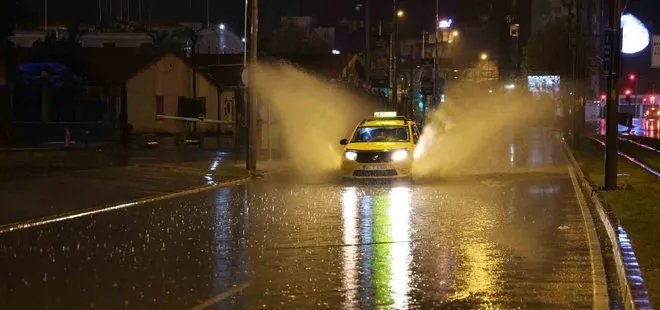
pixel 46 16
pixel 443 25
pixel 394 54
pixel 251 161
pixel 367 41
pixel 612 125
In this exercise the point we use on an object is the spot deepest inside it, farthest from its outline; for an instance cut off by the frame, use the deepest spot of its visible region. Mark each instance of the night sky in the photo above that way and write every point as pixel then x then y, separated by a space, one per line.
pixel 230 12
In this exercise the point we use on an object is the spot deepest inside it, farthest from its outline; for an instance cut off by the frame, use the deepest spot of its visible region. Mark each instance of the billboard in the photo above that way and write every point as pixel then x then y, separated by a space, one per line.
pixel 380 62
pixel 655 52
pixel 543 84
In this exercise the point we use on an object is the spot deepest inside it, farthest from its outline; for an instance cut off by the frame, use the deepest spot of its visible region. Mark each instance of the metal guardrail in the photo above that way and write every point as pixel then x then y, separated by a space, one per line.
pixel 631 285
pixel 192 119
pixel 633 160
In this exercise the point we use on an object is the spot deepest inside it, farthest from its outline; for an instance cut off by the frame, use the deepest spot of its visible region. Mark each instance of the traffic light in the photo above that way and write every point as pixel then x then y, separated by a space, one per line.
pixel 632 76
pixel 628 92
pixel 603 97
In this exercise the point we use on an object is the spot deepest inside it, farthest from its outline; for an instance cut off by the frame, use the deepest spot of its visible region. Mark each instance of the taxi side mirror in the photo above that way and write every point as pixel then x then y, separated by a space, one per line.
pixel 343 141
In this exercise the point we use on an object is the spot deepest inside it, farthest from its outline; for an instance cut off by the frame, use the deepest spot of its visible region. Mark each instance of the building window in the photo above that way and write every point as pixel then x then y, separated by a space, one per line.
pixel 160 105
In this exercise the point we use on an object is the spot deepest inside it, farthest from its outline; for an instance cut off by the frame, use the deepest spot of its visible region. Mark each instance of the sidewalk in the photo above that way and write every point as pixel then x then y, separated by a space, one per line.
pixel 48 195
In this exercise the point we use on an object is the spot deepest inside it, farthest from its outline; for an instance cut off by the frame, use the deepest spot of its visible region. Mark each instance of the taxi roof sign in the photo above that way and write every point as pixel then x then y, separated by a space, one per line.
pixel 384 114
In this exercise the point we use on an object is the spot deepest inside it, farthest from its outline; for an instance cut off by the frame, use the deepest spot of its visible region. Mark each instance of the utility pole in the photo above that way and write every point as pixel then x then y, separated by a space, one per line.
pixel 393 56
pixel 251 162
pixel 208 14
pixel 577 76
pixel 46 16
pixel 434 97
pixel 612 132
pixel 367 41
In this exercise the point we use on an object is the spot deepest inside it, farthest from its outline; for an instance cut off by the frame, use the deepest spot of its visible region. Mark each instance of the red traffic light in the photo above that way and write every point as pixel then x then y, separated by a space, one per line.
pixel 628 92
pixel 603 97
pixel 632 76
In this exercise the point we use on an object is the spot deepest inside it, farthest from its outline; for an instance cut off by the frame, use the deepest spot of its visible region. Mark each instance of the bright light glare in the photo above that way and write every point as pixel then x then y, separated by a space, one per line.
pixel 445 23
pixel 336 52
pixel 400 155
pixel 222 26
pixel 243 40
pixel 510 86
pixel 385 114
pixel 400 13
pixel 350 155
pixel 635 35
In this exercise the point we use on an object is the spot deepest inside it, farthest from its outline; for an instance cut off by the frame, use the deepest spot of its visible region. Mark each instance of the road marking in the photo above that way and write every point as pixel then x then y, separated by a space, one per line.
pixel 217 298
pixel 600 299
pixel 91 211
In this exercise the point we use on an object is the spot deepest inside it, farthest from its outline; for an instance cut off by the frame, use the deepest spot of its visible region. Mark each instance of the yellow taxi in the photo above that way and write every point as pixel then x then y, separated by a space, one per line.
pixel 381 147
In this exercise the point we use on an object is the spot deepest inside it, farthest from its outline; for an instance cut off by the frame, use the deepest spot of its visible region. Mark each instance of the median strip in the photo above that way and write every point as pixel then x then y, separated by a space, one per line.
pixel 633 208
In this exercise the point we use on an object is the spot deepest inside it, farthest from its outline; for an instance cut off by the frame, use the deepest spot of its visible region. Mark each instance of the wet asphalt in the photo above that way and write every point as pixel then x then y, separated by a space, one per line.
pixel 480 241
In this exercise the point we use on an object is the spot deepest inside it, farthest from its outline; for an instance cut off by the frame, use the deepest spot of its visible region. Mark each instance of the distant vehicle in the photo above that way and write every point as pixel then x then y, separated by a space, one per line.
pixel 380 148
pixel 652 114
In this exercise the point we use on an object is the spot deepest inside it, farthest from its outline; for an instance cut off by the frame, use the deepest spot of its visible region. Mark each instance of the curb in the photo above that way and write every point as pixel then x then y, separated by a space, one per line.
pixel 6 228
pixel 631 285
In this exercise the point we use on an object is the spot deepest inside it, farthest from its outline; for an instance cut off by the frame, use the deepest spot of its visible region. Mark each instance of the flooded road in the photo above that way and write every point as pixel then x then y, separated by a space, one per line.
pixel 479 241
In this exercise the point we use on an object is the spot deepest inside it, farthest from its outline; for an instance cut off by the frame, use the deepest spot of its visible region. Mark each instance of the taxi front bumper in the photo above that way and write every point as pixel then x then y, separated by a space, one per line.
pixel 390 170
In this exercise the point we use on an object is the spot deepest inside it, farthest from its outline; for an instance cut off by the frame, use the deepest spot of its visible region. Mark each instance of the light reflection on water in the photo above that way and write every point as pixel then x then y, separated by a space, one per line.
pixel 350 282
pixel 385 247
pixel 641 127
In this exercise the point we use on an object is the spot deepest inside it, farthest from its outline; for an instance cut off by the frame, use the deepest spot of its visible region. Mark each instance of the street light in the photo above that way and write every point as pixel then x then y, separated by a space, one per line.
pixel 400 13
pixel 445 23
pixel 484 56
pixel 222 26
pixel 454 33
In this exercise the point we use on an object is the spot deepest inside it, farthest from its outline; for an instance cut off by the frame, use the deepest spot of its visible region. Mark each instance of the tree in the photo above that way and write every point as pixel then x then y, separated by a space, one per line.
pixel 292 39
pixel 547 51
pixel 11 13
pixel 56 71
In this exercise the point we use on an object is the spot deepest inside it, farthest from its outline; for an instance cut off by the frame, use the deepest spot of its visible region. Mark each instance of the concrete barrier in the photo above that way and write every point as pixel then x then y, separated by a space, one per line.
pixel 631 285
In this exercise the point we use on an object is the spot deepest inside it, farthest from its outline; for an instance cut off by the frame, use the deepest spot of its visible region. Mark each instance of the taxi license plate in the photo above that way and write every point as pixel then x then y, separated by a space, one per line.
pixel 374 168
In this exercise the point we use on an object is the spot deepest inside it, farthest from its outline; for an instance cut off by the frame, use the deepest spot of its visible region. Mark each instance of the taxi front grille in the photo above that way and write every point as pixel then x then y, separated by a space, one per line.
pixel 375 173
pixel 373 157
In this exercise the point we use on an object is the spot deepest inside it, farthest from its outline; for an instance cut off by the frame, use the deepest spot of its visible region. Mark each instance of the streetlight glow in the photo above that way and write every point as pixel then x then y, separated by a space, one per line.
pixel 484 56
pixel 445 23
pixel 222 26
pixel 454 33
pixel 400 13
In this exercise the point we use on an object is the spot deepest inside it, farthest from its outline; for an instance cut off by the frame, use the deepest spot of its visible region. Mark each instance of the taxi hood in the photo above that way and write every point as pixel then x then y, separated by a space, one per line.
pixel 373 146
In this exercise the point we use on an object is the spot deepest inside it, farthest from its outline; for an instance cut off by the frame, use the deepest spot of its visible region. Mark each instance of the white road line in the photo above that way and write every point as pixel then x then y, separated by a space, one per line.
pixel 72 215
pixel 599 282
pixel 217 298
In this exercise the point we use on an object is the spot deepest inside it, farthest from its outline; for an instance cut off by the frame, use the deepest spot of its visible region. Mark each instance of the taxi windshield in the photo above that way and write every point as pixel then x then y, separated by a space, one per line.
pixel 381 134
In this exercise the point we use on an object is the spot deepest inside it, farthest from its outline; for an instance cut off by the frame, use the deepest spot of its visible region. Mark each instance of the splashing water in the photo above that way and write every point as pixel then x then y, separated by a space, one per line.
pixel 470 134
pixel 314 114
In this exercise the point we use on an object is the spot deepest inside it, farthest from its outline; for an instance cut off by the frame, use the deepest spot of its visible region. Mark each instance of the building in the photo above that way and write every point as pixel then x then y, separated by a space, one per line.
pixel 128 87
pixel 214 40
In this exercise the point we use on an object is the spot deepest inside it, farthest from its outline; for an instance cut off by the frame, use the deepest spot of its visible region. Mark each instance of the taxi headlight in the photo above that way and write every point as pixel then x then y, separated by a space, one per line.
pixel 400 155
pixel 350 155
